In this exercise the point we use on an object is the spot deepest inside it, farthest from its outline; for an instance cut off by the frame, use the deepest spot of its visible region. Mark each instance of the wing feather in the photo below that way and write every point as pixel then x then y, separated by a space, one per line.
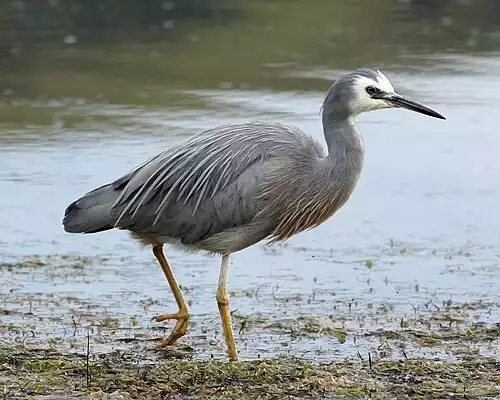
pixel 206 184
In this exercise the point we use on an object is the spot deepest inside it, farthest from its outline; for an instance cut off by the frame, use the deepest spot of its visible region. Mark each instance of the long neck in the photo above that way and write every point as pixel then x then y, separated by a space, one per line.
pixel 320 185
pixel 342 137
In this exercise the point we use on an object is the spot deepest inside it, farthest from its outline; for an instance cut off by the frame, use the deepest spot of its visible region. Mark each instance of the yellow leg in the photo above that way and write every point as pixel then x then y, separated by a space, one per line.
pixel 182 316
pixel 223 304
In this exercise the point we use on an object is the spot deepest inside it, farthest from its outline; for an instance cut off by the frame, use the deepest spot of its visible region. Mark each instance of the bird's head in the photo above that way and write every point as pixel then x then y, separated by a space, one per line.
pixel 367 89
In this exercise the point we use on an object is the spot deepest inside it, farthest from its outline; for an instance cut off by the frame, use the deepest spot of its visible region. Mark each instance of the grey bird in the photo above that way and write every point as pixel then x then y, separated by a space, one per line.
pixel 230 187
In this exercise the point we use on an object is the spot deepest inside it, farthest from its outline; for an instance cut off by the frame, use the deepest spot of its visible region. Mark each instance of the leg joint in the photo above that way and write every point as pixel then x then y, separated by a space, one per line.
pixel 222 297
pixel 184 312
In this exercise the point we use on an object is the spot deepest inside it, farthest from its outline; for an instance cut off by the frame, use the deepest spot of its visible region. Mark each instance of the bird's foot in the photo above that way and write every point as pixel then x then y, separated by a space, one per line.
pixel 180 315
pixel 181 326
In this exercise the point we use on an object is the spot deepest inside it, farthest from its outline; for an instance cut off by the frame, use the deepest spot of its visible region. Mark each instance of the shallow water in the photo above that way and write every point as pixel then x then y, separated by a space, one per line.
pixel 421 227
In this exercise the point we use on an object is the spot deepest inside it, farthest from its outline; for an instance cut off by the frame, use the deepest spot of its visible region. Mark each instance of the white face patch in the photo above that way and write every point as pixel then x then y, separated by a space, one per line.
pixel 362 101
pixel 384 83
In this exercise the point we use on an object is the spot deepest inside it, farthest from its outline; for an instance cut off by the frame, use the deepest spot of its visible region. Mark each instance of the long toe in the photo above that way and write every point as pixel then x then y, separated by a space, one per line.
pixel 180 329
pixel 177 316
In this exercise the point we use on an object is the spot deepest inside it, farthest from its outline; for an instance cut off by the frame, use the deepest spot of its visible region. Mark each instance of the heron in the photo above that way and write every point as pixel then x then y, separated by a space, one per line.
pixel 230 187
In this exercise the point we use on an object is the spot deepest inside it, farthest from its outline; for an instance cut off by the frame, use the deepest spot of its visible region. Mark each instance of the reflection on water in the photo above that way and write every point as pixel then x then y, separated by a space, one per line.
pixel 82 104
pixel 136 53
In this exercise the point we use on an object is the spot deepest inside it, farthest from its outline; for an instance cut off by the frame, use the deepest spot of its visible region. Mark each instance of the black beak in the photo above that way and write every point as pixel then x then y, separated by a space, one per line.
pixel 395 100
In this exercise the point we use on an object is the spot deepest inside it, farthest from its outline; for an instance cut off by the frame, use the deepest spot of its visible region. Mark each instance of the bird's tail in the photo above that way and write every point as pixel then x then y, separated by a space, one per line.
pixel 91 213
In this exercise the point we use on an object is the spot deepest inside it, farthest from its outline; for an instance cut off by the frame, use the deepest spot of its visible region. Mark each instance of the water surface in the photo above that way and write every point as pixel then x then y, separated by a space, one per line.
pixel 421 227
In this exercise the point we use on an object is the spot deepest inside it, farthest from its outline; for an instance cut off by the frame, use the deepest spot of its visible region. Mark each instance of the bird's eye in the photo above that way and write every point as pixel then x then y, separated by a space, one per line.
pixel 371 90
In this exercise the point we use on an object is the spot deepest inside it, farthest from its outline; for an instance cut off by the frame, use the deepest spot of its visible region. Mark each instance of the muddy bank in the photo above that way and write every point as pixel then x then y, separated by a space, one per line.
pixel 69 344
pixel 131 374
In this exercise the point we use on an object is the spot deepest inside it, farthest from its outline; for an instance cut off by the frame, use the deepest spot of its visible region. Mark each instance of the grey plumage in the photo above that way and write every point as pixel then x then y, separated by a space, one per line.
pixel 222 180
pixel 230 187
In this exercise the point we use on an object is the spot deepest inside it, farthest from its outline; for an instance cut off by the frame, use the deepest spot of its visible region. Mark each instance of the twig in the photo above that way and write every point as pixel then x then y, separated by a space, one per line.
pixel 87 359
